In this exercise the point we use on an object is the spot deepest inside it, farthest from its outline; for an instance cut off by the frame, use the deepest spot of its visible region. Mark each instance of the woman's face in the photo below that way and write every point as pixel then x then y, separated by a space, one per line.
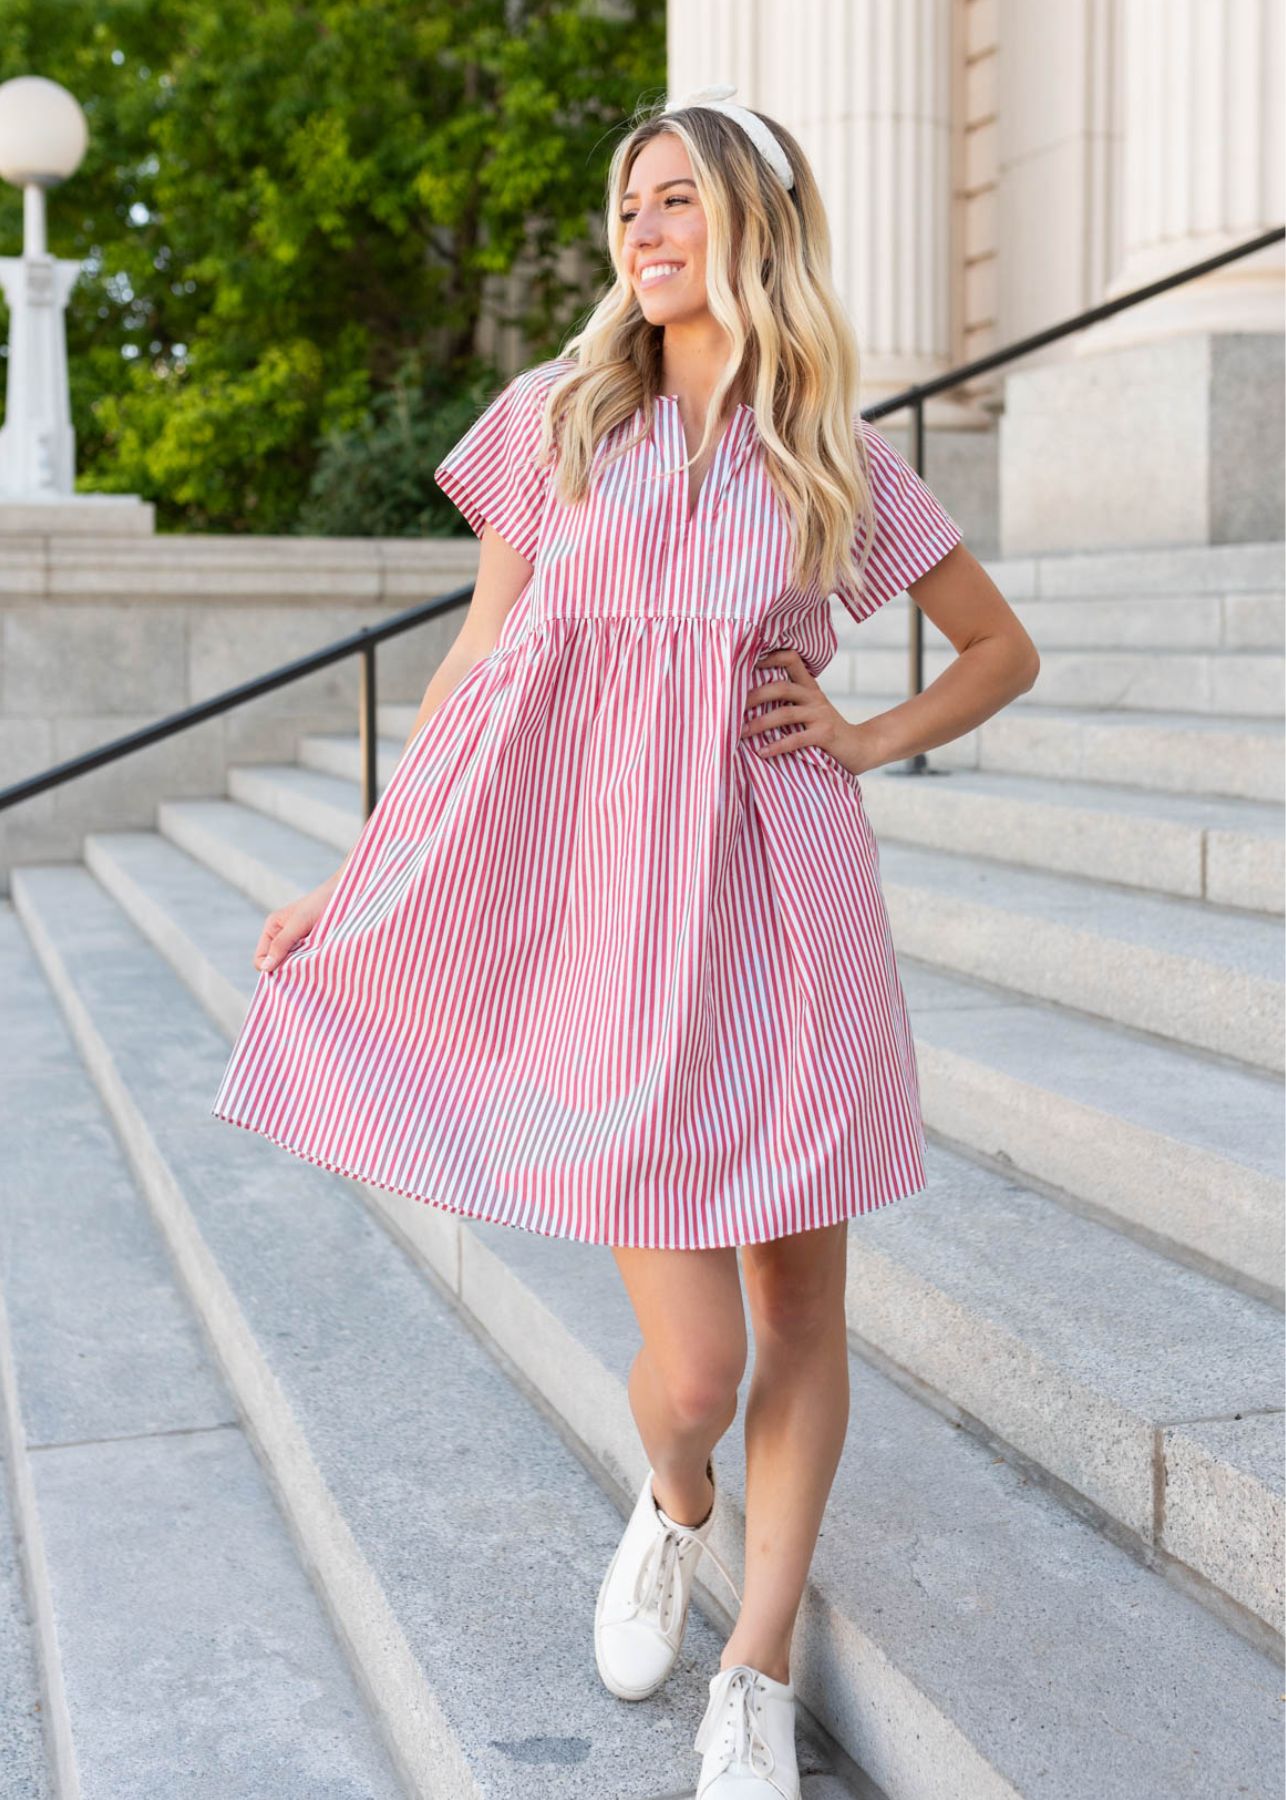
pixel 665 231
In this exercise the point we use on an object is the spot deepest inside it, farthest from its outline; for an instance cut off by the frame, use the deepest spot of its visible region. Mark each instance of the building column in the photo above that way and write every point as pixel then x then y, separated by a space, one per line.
pixel 1201 167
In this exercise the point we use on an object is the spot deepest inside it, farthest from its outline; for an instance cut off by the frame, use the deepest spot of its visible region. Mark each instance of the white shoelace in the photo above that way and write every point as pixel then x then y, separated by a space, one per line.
pixel 732 1714
pixel 657 1583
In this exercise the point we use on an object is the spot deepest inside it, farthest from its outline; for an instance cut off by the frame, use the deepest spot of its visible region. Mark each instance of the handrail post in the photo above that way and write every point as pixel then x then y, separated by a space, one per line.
pixel 368 742
pixel 918 763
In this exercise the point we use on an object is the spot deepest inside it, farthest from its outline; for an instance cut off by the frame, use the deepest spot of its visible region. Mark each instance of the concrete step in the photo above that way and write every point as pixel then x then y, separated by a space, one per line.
pixel 1172 570
pixel 1140 1387
pixel 1134 1340
pixel 150 1527
pixel 268 861
pixel 339 753
pixel 1252 619
pixel 1182 1152
pixel 1174 753
pixel 25 1772
pixel 1182 753
pixel 1212 597
pixel 394 720
pixel 322 805
pixel 979 1626
pixel 1207 622
pixel 1196 847
pixel 957 1615
pixel 1240 683
pixel 1174 1148
pixel 1203 976
pixel 457 1538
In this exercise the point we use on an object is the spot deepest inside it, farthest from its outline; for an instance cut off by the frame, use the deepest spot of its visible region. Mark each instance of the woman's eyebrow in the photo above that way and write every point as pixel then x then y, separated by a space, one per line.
pixel 672 182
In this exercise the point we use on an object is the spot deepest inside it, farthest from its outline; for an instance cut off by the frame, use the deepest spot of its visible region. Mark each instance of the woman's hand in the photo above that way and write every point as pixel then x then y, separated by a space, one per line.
pixel 283 929
pixel 799 701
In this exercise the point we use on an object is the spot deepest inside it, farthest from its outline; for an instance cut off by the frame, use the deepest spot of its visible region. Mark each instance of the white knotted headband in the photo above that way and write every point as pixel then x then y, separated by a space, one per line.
pixel 719 98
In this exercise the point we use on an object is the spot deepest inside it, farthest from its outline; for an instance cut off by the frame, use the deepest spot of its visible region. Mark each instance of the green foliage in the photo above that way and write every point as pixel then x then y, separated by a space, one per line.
pixel 287 202
pixel 378 480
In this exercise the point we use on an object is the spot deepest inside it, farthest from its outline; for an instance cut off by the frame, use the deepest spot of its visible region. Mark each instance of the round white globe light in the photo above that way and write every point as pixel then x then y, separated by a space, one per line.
pixel 43 133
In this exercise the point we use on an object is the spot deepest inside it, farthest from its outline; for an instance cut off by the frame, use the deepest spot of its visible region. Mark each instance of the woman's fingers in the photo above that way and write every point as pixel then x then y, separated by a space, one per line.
pixel 272 925
pixel 275 941
pixel 284 928
pixel 787 745
pixel 778 693
pixel 796 691
pixel 799 682
pixel 800 707
pixel 772 721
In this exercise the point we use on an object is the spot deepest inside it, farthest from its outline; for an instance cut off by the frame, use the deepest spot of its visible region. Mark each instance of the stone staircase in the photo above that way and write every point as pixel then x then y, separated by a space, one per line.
pixel 1051 1564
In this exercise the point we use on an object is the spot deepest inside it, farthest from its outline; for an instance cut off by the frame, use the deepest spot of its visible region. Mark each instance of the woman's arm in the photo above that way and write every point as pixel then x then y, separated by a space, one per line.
pixel 996 661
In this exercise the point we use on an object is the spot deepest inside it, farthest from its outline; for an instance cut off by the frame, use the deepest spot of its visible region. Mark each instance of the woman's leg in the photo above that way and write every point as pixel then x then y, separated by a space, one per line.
pixel 683 1384
pixel 796 1421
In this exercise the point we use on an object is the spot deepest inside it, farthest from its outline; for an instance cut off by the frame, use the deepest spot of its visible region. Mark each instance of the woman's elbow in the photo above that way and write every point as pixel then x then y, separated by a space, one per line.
pixel 1026 662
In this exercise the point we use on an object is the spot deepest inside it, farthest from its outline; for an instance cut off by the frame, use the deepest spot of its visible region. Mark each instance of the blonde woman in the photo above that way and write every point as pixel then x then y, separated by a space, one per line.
pixel 610 960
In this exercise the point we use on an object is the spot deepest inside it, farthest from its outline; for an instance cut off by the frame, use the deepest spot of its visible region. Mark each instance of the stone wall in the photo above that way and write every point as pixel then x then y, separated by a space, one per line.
pixel 100 636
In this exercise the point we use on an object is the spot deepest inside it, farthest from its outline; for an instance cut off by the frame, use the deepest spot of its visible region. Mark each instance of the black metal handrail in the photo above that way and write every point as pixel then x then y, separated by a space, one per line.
pixel 363 643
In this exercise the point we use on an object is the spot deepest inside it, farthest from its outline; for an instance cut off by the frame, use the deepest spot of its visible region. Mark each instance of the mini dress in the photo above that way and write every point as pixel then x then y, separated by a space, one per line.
pixel 596 968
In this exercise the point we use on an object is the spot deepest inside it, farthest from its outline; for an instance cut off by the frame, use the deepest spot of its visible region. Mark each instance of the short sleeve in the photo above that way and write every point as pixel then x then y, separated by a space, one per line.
pixel 912 531
pixel 492 474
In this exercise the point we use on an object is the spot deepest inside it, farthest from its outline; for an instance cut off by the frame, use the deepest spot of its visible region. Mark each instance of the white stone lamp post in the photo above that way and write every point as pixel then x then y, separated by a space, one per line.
pixel 43 136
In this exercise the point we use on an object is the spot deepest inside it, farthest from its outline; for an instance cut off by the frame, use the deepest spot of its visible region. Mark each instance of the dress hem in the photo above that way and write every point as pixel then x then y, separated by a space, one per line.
pixel 479 1218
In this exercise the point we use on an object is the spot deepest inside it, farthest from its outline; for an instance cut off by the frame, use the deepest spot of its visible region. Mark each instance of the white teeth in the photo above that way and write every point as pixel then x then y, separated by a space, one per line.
pixel 657 270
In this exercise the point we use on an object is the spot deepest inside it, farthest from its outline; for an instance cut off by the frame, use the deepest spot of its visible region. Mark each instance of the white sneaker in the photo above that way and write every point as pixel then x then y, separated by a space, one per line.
pixel 642 1604
pixel 748 1737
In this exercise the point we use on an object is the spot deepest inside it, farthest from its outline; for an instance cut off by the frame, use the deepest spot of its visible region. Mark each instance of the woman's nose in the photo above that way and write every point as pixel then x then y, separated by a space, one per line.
pixel 641 230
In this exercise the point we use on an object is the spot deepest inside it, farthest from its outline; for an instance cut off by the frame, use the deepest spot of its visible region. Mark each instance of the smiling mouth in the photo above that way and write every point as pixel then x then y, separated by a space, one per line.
pixel 651 281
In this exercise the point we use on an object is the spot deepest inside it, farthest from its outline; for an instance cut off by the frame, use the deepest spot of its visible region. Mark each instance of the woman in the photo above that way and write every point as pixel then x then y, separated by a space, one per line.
pixel 610 959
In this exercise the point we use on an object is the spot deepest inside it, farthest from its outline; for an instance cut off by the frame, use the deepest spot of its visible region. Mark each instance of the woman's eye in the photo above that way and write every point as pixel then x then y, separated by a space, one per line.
pixel 681 198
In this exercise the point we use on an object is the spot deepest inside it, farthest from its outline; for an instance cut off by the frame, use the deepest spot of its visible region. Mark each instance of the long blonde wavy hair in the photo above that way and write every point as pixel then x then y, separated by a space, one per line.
pixel 794 356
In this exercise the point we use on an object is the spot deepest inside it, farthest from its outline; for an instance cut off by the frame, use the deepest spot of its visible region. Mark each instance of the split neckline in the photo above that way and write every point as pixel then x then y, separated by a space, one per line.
pixel 728 441
pixel 741 405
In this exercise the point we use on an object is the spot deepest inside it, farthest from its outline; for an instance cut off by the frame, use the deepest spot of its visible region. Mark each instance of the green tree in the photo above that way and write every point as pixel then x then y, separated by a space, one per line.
pixel 377 478
pixel 289 209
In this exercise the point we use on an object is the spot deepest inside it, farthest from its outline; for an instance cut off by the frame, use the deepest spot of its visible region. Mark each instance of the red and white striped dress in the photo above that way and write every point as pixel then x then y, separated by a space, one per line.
pixel 595 968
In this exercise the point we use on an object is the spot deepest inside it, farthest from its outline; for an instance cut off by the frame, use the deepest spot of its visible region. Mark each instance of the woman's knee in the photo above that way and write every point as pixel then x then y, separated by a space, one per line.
pixel 796 1286
pixel 691 1311
pixel 702 1395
